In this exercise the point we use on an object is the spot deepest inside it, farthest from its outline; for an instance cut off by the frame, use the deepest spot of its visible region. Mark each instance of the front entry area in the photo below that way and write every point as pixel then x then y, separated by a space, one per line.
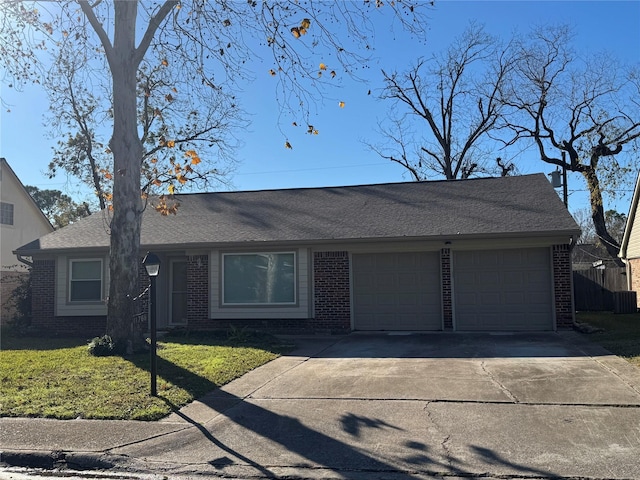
pixel 397 291
pixel 178 291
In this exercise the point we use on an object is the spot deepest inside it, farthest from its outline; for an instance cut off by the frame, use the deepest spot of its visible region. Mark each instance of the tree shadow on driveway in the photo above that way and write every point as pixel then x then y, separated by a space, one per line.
pixel 243 432
pixel 353 424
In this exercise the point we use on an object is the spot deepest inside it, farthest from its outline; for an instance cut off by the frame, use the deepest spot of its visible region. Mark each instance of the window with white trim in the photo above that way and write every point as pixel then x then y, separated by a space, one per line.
pixel 85 280
pixel 264 278
pixel 6 213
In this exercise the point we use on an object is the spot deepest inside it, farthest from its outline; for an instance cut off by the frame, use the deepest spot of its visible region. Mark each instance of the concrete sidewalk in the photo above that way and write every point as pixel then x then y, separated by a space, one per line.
pixel 91 444
pixel 373 406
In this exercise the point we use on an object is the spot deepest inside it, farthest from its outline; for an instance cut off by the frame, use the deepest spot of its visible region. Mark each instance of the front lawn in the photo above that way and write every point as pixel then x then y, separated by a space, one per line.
pixel 57 378
pixel 620 335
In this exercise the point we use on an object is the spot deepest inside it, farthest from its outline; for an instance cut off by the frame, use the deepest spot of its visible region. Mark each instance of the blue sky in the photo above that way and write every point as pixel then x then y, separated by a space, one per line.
pixel 338 156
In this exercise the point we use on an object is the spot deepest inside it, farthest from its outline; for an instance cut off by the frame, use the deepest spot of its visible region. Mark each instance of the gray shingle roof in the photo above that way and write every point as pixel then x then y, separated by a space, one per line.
pixel 523 205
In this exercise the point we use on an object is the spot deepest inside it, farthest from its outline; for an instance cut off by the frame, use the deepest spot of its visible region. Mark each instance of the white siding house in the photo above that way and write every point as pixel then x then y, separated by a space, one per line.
pixel 21 221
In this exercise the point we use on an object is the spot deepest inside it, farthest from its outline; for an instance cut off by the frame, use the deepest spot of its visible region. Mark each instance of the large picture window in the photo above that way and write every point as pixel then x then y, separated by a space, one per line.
pixel 85 280
pixel 259 279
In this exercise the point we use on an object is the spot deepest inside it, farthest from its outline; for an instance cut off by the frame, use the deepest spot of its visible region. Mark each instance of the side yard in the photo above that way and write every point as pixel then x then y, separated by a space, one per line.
pixel 620 333
pixel 57 378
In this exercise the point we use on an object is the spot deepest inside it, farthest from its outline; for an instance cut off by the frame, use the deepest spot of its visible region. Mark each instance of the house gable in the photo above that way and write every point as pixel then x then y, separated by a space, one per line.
pixel 22 220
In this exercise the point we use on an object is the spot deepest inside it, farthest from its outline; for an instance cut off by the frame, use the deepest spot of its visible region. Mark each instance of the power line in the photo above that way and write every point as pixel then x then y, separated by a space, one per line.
pixel 313 169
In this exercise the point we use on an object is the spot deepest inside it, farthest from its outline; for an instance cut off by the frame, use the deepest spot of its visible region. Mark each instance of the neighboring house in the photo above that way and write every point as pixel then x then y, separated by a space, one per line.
pixel 630 247
pixel 482 254
pixel 21 221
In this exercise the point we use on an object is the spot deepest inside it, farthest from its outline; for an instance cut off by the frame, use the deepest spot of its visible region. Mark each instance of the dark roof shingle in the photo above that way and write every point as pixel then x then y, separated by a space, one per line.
pixel 478 207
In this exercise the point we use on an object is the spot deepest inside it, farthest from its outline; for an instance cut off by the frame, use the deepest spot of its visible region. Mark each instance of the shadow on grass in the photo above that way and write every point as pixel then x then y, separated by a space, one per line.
pixel 225 338
pixel 10 342
pixel 192 383
pixel 620 332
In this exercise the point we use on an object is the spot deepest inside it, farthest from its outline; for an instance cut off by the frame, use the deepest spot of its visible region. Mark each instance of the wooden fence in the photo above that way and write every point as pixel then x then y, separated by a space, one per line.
pixel 594 289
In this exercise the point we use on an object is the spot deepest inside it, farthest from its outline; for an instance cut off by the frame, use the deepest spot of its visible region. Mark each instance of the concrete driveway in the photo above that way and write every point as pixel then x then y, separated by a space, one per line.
pixel 373 406
pixel 387 406
pixel 519 368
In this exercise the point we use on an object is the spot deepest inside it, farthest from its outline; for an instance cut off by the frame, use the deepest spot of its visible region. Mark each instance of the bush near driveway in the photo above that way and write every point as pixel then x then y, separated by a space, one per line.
pixel 57 378
pixel 620 332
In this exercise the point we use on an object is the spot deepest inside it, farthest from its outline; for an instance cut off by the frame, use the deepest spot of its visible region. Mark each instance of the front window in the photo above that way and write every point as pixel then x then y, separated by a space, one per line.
pixel 259 279
pixel 6 213
pixel 85 280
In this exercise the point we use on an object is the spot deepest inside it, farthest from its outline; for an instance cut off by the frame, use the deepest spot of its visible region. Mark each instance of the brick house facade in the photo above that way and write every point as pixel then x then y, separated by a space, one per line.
pixel 472 255
pixel 332 309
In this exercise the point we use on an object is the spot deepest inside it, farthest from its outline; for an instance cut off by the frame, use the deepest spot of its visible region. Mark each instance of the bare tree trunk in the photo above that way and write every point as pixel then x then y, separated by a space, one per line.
pixel 597 213
pixel 127 205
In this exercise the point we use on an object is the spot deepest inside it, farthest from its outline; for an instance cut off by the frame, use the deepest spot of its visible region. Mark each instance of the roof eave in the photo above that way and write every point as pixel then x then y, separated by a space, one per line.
pixel 569 233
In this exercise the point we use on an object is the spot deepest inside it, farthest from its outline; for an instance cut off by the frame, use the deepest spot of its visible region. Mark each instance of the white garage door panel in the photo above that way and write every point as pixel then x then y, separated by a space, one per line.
pixel 397 291
pixel 503 290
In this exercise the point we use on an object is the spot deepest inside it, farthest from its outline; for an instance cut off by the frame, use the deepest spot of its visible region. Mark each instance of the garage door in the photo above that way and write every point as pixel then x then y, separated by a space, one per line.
pixel 503 290
pixel 397 291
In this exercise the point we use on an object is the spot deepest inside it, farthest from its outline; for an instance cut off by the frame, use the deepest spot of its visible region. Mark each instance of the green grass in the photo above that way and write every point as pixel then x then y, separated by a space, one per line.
pixel 57 378
pixel 620 335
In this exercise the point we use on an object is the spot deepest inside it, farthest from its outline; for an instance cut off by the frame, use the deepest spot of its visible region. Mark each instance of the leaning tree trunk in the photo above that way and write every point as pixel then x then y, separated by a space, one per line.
pixel 127 151
pixel 597 213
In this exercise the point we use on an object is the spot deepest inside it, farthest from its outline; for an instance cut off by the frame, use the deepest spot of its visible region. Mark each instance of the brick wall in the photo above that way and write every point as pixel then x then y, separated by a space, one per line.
pixel 633 272
pixel 80 327
pixel 447 301
pixel 43 292
pixel 331 291
pixel 197 290
pixel 331 276
pixel 44 321
pixel 562 286
pixel 292 326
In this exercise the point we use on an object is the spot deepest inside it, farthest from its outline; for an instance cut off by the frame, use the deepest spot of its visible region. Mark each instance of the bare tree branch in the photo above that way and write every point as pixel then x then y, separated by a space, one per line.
pixel 582 108
pixel 459 97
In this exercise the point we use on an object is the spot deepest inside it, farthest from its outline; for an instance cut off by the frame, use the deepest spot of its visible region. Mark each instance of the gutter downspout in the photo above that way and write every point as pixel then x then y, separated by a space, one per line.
pixel 572 245
pixel 23 260
pixel 627 270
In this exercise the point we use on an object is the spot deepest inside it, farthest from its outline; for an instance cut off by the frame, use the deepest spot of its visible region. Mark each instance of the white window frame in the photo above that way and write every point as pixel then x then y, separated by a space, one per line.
pixel 264 304
pixel 70 280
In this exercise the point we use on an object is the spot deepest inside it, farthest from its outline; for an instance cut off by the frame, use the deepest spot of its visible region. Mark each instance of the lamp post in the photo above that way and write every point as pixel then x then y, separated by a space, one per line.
pixel 151 263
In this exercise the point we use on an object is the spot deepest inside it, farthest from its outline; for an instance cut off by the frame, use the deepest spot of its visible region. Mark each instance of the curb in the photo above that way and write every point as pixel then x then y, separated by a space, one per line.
pixel 57 459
